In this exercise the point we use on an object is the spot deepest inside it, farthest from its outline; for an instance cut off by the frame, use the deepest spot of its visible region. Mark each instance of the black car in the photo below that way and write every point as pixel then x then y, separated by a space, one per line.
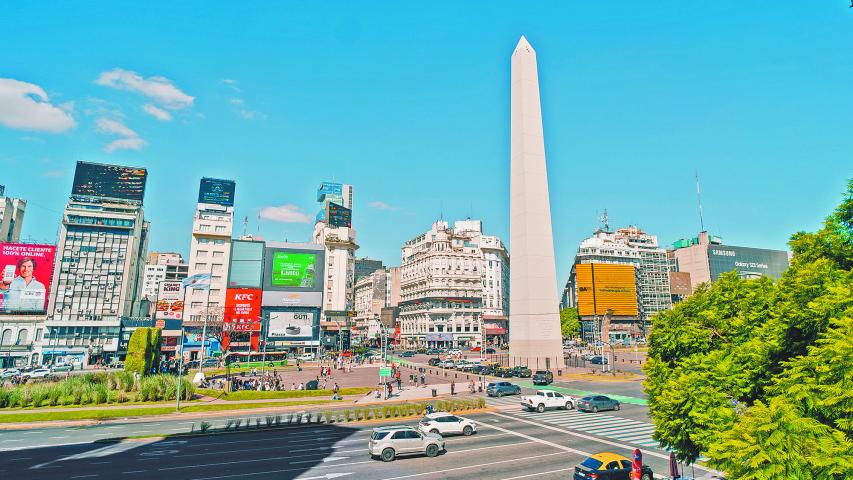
pixel 407 354
pixel 490 350
pixel 433 351
pixel 484 370
pixel 598 360
pixel 503 372
pixel 521 372
pixel 433 362
pixel 543 377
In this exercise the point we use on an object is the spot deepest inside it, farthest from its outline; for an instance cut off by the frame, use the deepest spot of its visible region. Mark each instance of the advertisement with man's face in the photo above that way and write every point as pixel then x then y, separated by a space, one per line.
pixel 26 274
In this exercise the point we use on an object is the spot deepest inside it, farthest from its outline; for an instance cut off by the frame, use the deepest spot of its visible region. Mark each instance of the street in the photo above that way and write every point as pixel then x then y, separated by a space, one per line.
pixel 510 444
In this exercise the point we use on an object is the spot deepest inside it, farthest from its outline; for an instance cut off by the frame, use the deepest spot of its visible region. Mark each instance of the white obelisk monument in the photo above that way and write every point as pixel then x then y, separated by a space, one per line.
pixel 535 338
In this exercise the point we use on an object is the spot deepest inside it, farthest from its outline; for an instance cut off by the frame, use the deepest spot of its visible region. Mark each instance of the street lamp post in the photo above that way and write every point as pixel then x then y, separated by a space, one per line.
pixel 180 371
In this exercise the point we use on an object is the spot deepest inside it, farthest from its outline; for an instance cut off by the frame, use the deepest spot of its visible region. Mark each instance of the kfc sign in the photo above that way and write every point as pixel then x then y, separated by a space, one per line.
pixel 243 310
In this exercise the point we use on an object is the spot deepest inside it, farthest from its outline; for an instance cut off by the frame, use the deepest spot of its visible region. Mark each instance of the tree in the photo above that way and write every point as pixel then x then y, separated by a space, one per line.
pixel 756 374
pixel 570 325
pixel 143 350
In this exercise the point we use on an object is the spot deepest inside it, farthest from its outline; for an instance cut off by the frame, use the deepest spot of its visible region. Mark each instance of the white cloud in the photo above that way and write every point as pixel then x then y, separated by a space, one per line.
pixel 231 83
pixel 130 140
pixel 159 89
pixel 54 173
pixel 285 214
pixel 157 113
pixel 25 106
pixel 382 206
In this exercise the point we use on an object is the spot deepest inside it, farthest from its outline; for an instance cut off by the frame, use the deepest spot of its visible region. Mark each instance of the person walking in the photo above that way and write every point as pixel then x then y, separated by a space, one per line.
pixel 453 387
pixel 423 380
pixel 335 391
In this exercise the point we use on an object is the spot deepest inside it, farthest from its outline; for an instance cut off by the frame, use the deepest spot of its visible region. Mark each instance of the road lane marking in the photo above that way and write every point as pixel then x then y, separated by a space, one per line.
pixel 86 476
pixel 134 471
pixel 589 437
pixel 101 452
pixel 498 462
pixel 539 473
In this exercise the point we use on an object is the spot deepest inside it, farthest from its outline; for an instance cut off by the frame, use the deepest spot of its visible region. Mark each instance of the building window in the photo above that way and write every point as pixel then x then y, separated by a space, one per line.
pixel 219 242
pixel 201 253
pixel 220 228
pixel 203 241
pixel 218 254
pixel 200 266
pixel 204 228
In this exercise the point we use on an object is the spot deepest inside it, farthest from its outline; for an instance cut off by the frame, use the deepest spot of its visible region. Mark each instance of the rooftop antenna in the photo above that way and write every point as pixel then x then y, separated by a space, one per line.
pixel 699 198
pixel 245 225
pixel 259 222
pixel 441 211
pixel 605 219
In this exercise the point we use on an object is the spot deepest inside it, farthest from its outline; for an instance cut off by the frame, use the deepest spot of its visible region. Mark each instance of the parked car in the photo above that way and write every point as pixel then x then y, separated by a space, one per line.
pixel 598 360
pixel 470 367
pixel 421 350
pixel 387 443
pixel 434 362
pixel 62 367
pixel 37 373
pixel 543 377
pixel 476 349
pixel 545 399
pixel 461 364
pixel 521 372
pixel 444 423
pixel 306 357
pixel 454 351
pixel 484 370
pixel 210 362
pixel 433 351
pixel 503 372
pixel 447 364
pixel 608 466
pixel 595 403
pixel 490 350
pixel 408 354
pixel 499 389
pixel 10 372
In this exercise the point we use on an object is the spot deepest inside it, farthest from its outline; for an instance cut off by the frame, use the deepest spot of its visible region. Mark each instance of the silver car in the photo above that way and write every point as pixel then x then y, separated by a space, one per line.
pixel 387 443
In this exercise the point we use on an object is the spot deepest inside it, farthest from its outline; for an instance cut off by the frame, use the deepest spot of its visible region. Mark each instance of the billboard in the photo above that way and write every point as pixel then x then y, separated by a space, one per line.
pixel 247 264
pixel 330 191
pixel 216 191
pixel 293 269
pixel 338 215
pixel 110 181
pixel 748 262
pixel 293 325
pixel 606 286
pixel 170 301
pixel 242 310
pixel 27 271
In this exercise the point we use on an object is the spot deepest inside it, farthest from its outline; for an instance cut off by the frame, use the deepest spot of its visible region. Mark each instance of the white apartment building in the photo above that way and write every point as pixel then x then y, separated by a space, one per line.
pixel 153 275
pixel 210 252
pixel 339 242
pixel 160 267
pixel 370 293
pixel 11 217
pixel 445 289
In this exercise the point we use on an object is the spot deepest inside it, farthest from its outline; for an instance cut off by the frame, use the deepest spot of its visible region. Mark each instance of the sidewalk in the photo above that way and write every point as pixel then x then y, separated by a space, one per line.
pixel 409 394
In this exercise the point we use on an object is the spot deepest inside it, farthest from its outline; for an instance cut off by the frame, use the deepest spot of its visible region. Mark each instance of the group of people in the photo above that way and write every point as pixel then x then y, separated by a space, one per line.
pixel 397 378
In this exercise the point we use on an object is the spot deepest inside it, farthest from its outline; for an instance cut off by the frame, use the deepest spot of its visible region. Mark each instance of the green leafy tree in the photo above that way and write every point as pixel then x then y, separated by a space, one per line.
pixel 741 360
pixel 570 324
pixel 143 350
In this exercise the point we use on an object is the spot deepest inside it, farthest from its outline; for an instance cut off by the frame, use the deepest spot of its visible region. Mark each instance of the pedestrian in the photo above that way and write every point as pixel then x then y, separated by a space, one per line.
pixel 423 380
pixel 453 387
pixel 335 391
pixel 301 386
pixel 324 384
pixel 390 389
pixel 294 386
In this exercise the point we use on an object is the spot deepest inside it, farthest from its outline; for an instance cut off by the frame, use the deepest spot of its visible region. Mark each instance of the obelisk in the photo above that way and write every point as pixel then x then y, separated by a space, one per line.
pixel 534 320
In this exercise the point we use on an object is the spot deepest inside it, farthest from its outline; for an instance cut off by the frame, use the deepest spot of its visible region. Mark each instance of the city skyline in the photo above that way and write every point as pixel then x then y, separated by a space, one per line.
pixel 747 135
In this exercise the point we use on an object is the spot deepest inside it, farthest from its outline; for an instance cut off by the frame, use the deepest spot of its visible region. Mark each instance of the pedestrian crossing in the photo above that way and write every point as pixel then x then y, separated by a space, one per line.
pixel 626 430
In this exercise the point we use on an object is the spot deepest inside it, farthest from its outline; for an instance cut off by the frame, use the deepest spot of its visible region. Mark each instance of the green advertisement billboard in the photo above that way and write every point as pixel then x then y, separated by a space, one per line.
pixel 290 269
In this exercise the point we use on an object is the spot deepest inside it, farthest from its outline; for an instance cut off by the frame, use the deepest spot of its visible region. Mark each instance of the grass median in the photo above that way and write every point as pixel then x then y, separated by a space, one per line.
pixel 240 395
pixel 141 412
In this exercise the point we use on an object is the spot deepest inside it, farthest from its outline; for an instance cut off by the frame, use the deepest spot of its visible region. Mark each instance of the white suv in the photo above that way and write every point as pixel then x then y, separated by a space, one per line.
pixel 387 443
pixel 444 423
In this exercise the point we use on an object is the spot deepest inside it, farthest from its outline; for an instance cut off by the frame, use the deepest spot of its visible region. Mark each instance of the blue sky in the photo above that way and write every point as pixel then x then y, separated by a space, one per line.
pixel 409 102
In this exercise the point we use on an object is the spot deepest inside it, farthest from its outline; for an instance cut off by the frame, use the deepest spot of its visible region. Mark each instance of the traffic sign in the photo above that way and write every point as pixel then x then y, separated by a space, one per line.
pixel 384 371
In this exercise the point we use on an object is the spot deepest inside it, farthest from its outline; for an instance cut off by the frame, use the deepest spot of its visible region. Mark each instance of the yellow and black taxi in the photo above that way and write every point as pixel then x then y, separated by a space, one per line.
pixel 608 466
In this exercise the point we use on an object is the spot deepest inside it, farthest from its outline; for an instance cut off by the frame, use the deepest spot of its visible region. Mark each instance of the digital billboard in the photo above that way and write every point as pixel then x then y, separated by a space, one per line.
pixel 293 325
pixel 170 301
pixel 338 216
pixel 605 286
pixel 109 181
pixel 247 264
pixel 216 191
pixel 242 310
pixel 27 272
pixel 748 262
pixel 292 269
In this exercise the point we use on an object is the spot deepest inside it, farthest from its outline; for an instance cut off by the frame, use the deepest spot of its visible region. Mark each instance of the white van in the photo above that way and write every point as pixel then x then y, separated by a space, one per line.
pixel 307 357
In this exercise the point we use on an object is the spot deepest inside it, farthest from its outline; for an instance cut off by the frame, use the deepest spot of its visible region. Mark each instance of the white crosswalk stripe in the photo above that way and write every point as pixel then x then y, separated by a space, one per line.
pixel 602 425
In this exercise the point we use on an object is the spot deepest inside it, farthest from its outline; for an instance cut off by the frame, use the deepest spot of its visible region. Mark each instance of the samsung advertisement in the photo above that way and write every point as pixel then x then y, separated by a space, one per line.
pixel 748 262
pixel 216 191
pixel 109 181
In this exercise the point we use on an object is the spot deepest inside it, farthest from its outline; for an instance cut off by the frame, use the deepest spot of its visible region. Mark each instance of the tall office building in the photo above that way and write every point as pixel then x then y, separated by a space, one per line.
pixel 210 249
pixel 646 288
pixel 370 297
pixel 366 266
pixel 445 290
pixel 333 229
pixel 97 278
pixel 11 217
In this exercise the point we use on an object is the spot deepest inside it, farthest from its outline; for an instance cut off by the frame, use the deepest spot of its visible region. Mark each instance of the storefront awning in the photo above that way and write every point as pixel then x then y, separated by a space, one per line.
pixel 496 331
